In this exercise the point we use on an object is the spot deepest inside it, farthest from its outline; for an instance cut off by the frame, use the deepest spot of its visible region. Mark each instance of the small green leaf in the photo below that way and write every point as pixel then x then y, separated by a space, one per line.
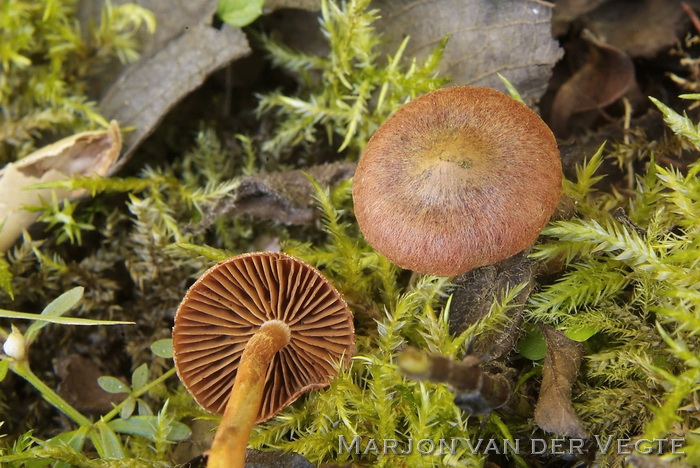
pixel 145 426
pixel 74 439
pixel 580 333
pixel 239 12
pixel 533 346
pixel 511 89
pixel 163 348
pixel 144 409
pixel 56 308
pixel 128 408
pixel 112 384
pixel 4 366
pixel 107 442
pixel 11 314
pixel 140 377
pixel 64 302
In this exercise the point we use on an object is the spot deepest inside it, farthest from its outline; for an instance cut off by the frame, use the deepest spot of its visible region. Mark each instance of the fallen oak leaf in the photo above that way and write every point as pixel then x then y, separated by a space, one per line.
pixel 554 412
pixel 83 154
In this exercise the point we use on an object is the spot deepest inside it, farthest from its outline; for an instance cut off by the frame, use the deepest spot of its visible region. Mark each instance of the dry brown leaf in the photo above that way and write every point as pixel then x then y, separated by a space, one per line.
pixel 86 153
pixel 79 385
pixel 145 92
pixel 283 196
pixel 510 37
pixel 569 10
pixel 641 28
pixel 554 412
pixel 605 78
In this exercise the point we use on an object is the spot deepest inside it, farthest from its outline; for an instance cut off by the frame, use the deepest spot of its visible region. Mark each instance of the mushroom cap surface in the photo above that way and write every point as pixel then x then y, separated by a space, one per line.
pixel 228 304
pixel 456 179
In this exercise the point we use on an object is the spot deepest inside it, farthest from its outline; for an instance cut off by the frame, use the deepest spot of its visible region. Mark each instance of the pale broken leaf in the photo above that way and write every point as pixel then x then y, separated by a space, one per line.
pixel 554 412
pixel 173 17
pixel 83 154
pixel 283 196
pixel 146 91
pixel 510 37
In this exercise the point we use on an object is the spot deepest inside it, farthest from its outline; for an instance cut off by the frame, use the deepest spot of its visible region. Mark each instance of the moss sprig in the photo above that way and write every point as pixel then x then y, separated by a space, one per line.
pixel 46 60
pixel 349 93
pixel 631 290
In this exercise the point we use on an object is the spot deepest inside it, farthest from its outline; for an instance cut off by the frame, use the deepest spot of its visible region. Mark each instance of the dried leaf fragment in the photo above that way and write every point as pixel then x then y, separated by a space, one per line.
pixel 604 79
pixel 79 385
pixel 83 154
pixel 554 412
pixel 283 196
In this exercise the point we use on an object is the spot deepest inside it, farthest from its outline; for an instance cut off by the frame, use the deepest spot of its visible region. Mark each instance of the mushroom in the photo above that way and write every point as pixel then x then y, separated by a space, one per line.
pixel 456 179
pixel 251 335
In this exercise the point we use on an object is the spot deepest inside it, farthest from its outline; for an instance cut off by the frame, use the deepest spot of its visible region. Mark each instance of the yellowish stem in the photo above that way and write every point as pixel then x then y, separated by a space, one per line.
pixel 243 407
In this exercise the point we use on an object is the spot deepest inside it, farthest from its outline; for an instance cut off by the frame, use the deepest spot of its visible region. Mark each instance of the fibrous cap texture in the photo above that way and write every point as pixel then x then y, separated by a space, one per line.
pixel 231 301
pixel 456 179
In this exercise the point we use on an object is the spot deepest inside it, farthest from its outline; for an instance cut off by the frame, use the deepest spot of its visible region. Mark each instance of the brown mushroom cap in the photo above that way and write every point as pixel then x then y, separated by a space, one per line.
pixel 229 303
pixel 456 179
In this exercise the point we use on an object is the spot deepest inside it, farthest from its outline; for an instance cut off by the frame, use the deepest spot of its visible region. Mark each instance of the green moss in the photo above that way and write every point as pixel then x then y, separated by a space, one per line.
pixel 634 278
pixel 352 91
pixel 629 284
pixel 46 61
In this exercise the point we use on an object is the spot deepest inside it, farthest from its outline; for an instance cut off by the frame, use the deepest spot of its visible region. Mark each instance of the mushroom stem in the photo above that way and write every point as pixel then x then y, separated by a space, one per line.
pixel 243 407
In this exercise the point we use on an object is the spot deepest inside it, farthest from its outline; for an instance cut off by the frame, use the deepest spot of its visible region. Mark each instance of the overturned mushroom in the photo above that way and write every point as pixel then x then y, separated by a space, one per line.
pixel 251 335
pixel 458 178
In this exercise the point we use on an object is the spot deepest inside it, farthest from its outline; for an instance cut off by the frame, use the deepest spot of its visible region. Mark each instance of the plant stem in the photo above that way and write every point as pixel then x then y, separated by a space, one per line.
pixel 22 369
pixel 243 407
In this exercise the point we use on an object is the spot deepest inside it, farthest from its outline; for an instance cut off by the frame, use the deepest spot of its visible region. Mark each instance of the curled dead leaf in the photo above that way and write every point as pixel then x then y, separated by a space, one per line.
pixel 554 412
pixel 283 196
pixel 83 154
